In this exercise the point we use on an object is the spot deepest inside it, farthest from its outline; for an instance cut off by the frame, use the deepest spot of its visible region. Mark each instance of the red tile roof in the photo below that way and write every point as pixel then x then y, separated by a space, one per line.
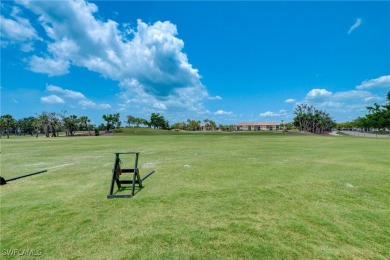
pixel 257 124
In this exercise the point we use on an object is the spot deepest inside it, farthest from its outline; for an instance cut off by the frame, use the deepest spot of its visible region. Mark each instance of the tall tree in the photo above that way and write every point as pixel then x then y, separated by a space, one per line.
pixel 112 120
pixel 378 116
pixel 7 123
pixel 309 119
pixel 212 125
pixel 37 126
pixel 179 126
pixel 26 125
pixel 84 121
pixel 158 121
pixel 49 123
pixel 193 125
pixel 131 120
pixel 386 112
pixel 206 124
pixel 70 123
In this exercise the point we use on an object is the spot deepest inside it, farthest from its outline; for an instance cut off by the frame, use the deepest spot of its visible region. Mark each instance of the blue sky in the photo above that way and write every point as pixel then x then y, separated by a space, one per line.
pixel 226 61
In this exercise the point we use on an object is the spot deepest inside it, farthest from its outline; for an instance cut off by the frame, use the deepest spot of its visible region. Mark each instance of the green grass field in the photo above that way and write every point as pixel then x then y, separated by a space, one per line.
pixel 221 195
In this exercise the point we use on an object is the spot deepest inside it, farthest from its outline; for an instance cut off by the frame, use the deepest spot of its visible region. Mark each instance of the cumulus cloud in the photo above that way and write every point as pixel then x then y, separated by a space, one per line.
pixel 323 96
pixel 215 98
pixel 383 81
pixel 352 94
pixel 16 29
pixel 148 60
pixel 86 103
pixel 372 99
pixel 340 103
pixel 66 92
pixel 52 67
pixel 348 102
pixel 318 94
pixel 223 113
pixel 281 113
pixel 83 101
pixel 160 106
pixel 290 100
pixel 268 114
pixel 52 99
pixel 356 25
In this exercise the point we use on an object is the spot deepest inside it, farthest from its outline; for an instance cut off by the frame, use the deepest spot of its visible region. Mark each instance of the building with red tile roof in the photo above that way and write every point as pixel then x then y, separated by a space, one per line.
pixel 257 126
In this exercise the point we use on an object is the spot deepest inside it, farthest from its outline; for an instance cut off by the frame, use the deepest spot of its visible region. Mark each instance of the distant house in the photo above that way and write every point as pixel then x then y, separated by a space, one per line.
pixel 257 126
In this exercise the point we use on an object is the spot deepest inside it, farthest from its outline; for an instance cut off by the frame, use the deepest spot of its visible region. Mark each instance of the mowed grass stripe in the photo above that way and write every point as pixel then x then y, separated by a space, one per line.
pixel 213 196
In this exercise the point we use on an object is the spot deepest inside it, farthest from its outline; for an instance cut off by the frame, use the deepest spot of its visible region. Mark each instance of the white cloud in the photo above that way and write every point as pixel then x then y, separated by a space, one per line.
pixel 103 106
pixel 330 105
pixel 316 94
pixel 66 92
pixel 215 98
pixel 87 103
pixel 372 99
pixel 356 25
pixel 290 100
pixel 90 104
pixel 52 67
pixel 148 60
pixel 27 47
pixel 352 94
pixel 52 99
pixel 323 96
pixel 160 106
pixel 223 113
pixel 268 114
pixel 340 104
pixel 383 81
pixel 281 112
pixel 65 48
pixel 19 30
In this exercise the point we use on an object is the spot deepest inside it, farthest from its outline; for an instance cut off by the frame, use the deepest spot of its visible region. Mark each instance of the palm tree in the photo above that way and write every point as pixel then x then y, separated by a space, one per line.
pixel 111 120
pixel 37 126
pixel 298 120
pixel 71 123
pixel 44 122
pixel 212 125
pixel 130 120
pixel 7 122
pixel 84 121
pixel 193 125
pixel 207 125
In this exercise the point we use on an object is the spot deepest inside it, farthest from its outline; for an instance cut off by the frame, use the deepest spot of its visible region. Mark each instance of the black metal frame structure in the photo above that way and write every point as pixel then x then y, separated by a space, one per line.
pixel 117 171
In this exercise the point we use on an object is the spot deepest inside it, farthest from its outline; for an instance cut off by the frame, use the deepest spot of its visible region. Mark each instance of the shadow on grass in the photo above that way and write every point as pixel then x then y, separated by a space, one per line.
pixel 127 190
